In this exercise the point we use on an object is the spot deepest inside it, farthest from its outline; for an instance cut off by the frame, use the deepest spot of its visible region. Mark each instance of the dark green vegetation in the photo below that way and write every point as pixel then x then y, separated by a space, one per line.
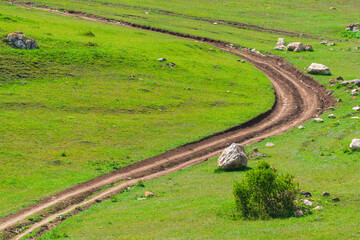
pixel 263 193
pixel 72 110
pixel 197 203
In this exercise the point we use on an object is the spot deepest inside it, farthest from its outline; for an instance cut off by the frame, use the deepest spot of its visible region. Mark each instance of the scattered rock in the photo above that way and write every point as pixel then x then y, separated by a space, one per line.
pixel 318 120
pixel 355 144
pixel 141 199
pixel 19 41
pixel 355 81
pixel 323 43
pixel 295 46
pixel 338 100
pixel 318 208
pixel 299 213
pixel 354 27
pixel 187 88
pixel 349 87
pixel 149 194
pixel 332 116
pixel 357 108
pixel 308 203
pixel 308 47
pixel 355 118
pixel 316 68
pixel 332 80
pixel 161 59
pixel 281 48
pixel 325 194
pixel 257 155
pixel 233 157
pixel 332 8
pixel 242 61
pixel 331 44
pixel 269 144
pixel 171 64
pixel 305 194
pixel 339 78
pixel 354 92
pixel 255 149
pixel 335 199
pixel 280 42
pixel 301 127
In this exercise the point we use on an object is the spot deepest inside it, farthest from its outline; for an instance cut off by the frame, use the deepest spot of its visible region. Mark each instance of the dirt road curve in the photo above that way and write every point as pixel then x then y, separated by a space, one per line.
pixel 298 98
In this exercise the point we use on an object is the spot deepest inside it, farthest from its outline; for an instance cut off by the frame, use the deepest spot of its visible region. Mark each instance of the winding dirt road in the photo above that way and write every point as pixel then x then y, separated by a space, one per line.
pixel 299 97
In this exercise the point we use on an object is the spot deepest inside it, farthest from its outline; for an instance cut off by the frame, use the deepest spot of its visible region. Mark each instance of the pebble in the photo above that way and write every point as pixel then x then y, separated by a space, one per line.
pixel 301 127
pixel 319 208
pixel 335 199
pixel 318 120
pixel 308 203
pixel 325 194
pixel 332 116
pixel 269 144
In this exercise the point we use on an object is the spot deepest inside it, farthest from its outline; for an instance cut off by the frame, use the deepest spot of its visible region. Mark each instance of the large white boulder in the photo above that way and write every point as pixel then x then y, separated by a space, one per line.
pixel 316 68
pixel 296 46
pixel 355 144
pixel 233 157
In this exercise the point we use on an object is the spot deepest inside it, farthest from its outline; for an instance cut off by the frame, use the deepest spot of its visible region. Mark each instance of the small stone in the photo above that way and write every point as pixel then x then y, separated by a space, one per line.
pixel 338 100
pixel 141 199
pixel 187 88
pixel 339 78
pixel 355 144
pixel 332 8
pixel 308 203
pixel 299 213
pixel 331 44
pixel 161 59
pixel 301 127
pixel 349 87
pixel 243 61
pixel 323 43
pixel 332 116
pixel 355 118
pixel 332 80
pixel 269 144
pixel 257 155
pixel 324 194
pixel 129 178
pixel 273 168
pixel 357 108
pixel 318 120
pixel 335 199
pixel 318 208
pixel 255 149
pixel 149 194
pixel 308 47
pixel 171 64
pixel 305 194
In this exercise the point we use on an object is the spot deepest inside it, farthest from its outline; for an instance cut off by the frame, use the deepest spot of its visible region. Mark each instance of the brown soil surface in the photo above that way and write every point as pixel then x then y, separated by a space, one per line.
pixel 299 97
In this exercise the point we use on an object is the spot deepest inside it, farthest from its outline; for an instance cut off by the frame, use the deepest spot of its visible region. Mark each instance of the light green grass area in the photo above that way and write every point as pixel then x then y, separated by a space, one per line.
pixel 70 112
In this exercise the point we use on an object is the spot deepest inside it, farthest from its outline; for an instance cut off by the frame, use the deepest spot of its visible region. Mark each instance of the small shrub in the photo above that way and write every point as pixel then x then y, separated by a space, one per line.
pixel 89 34
pixel 266 194
pixel 140 184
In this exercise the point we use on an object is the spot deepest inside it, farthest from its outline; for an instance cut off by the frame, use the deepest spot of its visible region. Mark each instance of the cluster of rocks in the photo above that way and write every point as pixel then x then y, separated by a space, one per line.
pixel 354 27
pixel 293 46
pixel 18 40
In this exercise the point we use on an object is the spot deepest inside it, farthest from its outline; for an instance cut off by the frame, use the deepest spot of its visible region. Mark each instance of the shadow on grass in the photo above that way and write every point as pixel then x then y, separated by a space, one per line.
pixel 220 170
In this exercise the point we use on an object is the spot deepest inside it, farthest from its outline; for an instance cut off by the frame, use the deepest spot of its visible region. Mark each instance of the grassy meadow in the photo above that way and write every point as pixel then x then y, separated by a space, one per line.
pixel 72 110
pixel 95 131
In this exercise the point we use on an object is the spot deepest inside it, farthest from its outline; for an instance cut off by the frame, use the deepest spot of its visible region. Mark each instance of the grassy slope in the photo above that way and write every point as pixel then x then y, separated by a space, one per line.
pixel 89 103
pixel 196 203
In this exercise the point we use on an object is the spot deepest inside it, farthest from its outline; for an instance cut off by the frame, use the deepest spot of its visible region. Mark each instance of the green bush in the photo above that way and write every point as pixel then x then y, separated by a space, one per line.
pixel 266 194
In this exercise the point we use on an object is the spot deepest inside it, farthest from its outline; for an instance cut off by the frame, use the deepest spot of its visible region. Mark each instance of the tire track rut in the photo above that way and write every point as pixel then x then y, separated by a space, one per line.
pixel 299 97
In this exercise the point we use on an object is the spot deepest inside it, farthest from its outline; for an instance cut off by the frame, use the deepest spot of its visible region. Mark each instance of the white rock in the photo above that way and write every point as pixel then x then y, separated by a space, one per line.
pixel 318 120
pixel 318 208
pixel 301 127
pixel 269 144
pixel 332 116
pixel 308 203
pixel 355 144
pixel 316 68
pixel 357 108
pixel 281 47
pixel 355 118
pixel 233 157
pixel 298 46
pixel 280 42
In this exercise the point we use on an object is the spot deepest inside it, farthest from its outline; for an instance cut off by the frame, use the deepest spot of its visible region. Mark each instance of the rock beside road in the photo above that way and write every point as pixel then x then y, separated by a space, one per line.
pixel 19 41
pixel 296 47
pixel 316 68
pixel 233 157
pixel 355 144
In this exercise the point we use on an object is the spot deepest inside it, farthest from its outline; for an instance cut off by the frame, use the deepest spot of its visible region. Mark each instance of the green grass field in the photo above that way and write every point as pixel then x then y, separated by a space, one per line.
pixel 86 105
pixel 70 112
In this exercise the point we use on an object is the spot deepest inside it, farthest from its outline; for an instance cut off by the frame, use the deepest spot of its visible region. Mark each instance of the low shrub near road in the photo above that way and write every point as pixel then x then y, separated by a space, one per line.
pixel 266 194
